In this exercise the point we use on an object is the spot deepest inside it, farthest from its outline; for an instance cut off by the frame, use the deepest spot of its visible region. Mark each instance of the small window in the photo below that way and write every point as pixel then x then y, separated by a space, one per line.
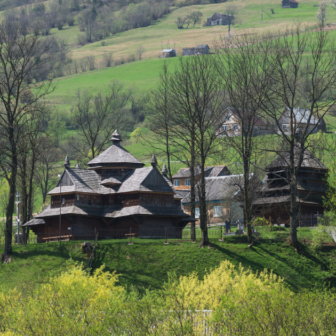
pixel 63 200
pixel 176 183
pixel 227 117
pixel 217 211
pixel 224 128
pixel 77 197
pixel 235 127
pixel 197 213
pixel 187 182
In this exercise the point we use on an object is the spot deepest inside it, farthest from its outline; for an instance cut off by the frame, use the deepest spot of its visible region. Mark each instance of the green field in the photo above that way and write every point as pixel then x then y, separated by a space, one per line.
pixel 147 263
pixel 143 75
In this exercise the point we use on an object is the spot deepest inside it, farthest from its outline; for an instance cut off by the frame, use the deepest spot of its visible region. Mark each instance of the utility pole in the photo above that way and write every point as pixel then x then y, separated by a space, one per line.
pixel 18 217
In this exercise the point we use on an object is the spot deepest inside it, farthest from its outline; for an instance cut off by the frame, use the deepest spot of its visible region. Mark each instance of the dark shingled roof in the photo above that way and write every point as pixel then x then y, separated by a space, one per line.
pixel 34 221
pixel 309 160
pixel 219 188
pixel 281 199
pixel 201 46
pixel 87 181
pixel 115 154
pixel 145 179
pixel 110 211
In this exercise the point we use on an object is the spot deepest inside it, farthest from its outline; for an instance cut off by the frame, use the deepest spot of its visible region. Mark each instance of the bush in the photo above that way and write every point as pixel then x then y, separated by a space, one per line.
pixel 319 235
pixel 242 303
pixel 71 21
pixel 130 58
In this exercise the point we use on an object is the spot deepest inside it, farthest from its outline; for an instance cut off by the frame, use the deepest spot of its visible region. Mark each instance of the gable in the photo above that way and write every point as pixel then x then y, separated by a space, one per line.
pixel 154 178
pixel 66 180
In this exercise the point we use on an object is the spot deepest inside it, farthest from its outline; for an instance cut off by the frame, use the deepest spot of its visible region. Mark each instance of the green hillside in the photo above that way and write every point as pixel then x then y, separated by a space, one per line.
pixel 146 263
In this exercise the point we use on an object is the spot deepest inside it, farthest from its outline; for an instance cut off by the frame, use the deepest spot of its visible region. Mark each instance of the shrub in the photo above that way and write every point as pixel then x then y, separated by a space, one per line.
pixel 130 58
pixel 242 303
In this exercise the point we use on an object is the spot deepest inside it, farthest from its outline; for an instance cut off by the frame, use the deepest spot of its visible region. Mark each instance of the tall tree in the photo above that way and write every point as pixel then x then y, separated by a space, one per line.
pixel 303 81
pixel 96 117
pixel 245 79
pixel 21 59
pixel 197 100
pixel 159 120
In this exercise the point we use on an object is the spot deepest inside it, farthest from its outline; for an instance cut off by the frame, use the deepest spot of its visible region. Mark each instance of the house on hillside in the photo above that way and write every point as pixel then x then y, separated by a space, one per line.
pixel 222 199
pixel 201 49
pixel 182 181
pixel 299 119
pixel 289 4
pixel 220 19
pixel 116 195
pixel 274 196
pixel 168 53
pixel 229 123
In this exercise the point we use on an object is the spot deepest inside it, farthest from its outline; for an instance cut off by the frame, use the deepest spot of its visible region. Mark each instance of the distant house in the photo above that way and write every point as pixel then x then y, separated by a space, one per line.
pixel 222 200
pixel 182 182
pixel 289 4
pixel 220 19
pixel 300 120
pixel 230 124
pixel 168 53
pixel 201 49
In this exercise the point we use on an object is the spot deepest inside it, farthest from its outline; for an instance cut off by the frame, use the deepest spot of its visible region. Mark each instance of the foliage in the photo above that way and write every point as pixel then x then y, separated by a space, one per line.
pixel 77 303
pixel 261 221
pixel 319 235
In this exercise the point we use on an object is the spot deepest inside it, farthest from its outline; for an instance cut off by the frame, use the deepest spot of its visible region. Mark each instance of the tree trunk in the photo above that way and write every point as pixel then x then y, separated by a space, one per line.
pixel 11 200
pixel 293 206
pixel 192 188
pixel 202 201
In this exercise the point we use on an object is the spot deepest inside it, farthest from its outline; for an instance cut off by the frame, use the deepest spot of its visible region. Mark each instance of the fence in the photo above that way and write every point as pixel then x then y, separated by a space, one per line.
pixel 309 220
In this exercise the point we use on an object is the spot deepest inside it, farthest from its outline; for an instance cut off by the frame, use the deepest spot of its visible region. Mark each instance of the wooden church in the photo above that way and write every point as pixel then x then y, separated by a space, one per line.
pixel 273 201
pixel 115 196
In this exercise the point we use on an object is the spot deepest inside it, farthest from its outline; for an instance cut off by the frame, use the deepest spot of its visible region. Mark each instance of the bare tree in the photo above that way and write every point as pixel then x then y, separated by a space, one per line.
pixel 305 86
pixel 108 59
pixel 232 10
pixel 29 153
pixel 140 51
pixel 46 166
pixel 91 62
pixel 96 116
pixel 196 95
pixel 21 57
pixel 321 14
pixel 180 22
pixel 245 79
pixel 159 120
pixel 195 17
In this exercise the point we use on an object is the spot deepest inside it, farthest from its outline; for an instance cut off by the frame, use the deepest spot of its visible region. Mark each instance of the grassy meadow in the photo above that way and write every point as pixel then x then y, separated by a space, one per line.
pixel 143 75
pixel 145 265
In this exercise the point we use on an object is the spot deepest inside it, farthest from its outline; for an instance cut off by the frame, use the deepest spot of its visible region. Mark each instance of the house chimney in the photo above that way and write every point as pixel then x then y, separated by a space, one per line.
pixel 164 170
pixel 66 162
pixel 116 138
pixel 153 161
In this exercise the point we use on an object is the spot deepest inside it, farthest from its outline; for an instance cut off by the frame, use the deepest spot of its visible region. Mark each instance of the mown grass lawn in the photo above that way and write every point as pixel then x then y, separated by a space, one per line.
pixel 146 264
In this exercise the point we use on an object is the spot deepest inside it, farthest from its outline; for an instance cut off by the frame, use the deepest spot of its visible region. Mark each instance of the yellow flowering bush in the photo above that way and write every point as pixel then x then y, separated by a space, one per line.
pixel 228 301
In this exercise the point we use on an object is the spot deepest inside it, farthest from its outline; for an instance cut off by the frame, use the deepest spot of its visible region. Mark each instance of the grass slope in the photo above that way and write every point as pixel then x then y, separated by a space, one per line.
pixel 165 32
pixel 144 74
pixel 147 263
